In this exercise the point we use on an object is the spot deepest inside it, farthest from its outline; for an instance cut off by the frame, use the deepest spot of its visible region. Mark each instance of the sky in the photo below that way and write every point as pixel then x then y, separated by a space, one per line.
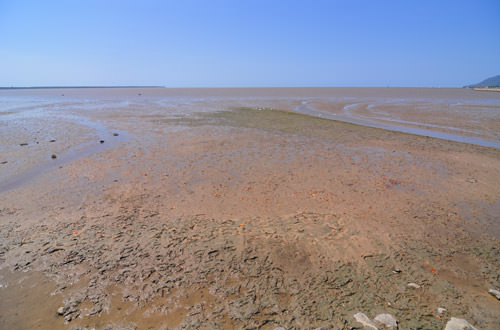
pixel 250 43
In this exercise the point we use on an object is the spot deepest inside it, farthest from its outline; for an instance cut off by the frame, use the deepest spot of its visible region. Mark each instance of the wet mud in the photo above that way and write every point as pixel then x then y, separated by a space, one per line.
pixel 251 218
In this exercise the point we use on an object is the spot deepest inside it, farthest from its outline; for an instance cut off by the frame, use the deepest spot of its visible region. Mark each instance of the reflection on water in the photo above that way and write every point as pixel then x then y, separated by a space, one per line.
pixel 411 127
pixel 74 153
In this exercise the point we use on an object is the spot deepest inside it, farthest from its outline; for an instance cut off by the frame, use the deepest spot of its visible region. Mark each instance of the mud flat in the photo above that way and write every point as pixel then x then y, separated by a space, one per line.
pixel 243 214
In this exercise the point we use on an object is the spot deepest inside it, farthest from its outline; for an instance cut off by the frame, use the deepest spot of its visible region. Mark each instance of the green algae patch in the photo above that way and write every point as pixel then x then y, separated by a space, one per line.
pixel 289 122
pixel 281 121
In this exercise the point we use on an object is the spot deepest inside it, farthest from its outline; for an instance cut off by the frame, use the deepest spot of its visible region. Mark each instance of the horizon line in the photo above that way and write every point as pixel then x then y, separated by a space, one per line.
pixel 208 87
pixel 82 86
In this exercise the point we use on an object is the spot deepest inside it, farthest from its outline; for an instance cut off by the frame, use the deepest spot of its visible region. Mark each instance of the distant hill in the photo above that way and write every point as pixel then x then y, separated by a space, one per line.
pixel 490 82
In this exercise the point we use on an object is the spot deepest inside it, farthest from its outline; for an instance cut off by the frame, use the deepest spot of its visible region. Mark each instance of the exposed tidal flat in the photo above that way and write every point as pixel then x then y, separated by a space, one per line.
pixel 249 208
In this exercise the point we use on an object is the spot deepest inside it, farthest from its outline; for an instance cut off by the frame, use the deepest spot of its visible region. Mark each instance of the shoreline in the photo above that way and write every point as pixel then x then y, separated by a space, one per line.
pixel 487 89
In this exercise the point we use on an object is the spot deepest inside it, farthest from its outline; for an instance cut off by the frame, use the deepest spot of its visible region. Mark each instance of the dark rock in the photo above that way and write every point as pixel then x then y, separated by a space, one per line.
pixel 23 144
pixel 53 156
pixel 101 141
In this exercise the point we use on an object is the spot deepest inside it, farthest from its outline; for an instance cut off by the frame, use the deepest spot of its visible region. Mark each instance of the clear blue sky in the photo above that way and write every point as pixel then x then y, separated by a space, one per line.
pixel 248 43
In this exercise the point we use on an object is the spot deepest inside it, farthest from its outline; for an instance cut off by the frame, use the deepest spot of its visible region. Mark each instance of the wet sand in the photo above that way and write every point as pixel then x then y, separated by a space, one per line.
pixel 244 209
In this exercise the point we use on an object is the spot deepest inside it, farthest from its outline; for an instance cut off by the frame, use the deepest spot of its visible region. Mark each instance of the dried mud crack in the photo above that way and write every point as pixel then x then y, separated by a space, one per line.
pixel 199 272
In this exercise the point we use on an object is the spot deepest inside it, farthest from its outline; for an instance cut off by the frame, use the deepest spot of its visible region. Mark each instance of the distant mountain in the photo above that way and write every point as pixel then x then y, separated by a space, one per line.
pixel 490 82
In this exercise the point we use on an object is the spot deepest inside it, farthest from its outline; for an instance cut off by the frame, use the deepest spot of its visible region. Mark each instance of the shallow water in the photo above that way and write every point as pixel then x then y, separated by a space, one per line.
pixel 429 124
pixel 21 307
pixel 460 115
pixel 79 151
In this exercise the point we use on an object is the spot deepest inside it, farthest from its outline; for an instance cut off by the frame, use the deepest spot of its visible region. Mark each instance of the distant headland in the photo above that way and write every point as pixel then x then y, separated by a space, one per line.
pixel 489 84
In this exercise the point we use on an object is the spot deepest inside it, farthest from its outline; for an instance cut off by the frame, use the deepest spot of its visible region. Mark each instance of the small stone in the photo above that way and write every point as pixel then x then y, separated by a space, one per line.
pixel 413 285
pixel 52 140
pixel 387 320
pixel 279 328
pixel 494 293
pixel 471 180
pixel 4 162
pixel 101 141
pixel 115 134
pixel 23 144
pixel 53 156
pixel 61 310
pixel 440 310
pixel 365 321
pixel 396 271
pixel 458 324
